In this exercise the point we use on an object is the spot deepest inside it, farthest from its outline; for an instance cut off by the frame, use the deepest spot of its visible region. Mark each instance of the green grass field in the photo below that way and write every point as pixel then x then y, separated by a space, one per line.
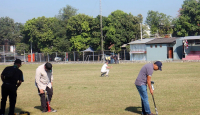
pixel 79 90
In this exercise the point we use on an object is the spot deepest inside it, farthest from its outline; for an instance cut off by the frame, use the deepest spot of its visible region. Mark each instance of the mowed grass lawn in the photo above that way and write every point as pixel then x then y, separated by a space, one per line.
pixel 79 90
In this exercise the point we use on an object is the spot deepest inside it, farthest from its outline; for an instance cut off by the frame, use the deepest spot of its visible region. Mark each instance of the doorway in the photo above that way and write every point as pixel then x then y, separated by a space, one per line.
pixel 169 52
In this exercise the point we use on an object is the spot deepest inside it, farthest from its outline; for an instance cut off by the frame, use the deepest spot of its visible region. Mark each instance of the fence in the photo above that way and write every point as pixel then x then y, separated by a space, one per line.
pixel 9 54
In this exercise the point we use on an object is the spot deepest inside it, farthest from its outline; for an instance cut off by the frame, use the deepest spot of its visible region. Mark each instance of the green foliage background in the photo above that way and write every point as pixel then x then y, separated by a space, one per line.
pixel 71 31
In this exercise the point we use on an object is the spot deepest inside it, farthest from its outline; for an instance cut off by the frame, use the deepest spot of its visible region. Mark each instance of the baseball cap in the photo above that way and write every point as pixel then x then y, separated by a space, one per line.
pixel 18 61
pixel 48 66
pixel 159 64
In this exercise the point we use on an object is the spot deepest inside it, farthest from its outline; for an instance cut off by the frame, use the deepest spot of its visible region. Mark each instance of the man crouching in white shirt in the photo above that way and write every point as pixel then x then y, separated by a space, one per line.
pixel 105 69
pixel 43 80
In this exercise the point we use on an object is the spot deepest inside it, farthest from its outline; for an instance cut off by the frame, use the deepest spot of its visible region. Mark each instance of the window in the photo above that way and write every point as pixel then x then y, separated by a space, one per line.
pixel 190 42
pixel 151 46
pixel 161 45
pixel 155 46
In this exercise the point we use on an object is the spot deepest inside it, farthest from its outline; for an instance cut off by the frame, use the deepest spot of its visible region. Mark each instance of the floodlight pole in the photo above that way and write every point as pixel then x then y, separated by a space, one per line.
pixel 101 33
pixel 141 30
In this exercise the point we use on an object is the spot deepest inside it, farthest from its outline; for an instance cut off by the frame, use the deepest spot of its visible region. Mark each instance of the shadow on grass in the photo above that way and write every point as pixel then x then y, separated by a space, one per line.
pixel 38 107
pixel 134 109
pixel 17 110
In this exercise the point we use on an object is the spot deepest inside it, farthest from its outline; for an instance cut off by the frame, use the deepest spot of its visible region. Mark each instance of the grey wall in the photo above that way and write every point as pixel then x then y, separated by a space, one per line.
pixel 159 53
pixel 178 49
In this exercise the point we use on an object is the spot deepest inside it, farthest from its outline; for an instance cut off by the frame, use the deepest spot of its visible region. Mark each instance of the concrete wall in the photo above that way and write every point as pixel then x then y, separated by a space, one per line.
pixel 178 50
pixel 138 57
pixel 159 53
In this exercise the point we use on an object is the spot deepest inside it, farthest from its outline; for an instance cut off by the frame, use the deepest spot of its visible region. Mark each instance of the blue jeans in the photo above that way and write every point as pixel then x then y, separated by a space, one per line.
pixel 144 99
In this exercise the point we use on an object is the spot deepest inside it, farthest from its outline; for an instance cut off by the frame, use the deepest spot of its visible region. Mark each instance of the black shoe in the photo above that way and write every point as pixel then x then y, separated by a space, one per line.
pixel 102 74
pixel 53 110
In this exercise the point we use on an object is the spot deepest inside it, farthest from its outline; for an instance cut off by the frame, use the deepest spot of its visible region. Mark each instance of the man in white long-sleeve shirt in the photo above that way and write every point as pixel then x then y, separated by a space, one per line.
pixel 44 79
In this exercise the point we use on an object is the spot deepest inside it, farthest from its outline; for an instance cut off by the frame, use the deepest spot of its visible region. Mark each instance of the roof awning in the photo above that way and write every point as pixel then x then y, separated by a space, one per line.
pixel 190 38
pixel 88 50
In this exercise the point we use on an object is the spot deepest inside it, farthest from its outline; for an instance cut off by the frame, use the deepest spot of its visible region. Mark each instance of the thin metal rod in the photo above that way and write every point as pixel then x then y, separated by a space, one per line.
pixel 155 105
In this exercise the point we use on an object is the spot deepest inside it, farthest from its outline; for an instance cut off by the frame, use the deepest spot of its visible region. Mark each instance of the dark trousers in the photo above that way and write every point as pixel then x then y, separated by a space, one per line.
pixel 43 99
pixel 11 91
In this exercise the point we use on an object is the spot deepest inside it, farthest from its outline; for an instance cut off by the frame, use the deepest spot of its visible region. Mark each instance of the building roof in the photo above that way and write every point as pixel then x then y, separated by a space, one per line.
pixel 143 41
pixel 190 38
pixel 124 45
pixel 162 40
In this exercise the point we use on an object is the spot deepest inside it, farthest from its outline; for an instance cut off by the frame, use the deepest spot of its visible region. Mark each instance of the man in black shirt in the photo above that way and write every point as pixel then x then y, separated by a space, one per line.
pixel 12 78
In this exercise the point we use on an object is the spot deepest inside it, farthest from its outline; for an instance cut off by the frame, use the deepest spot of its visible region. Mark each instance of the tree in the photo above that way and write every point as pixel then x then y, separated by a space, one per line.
pixel 159 23
pixel 188 22
pixel 9 31
pixel 96 33
pixel 145 28
pixel 61 42
pixel 121 29
pixel 18 28
pixel 39 33
pixel 22 47
pixel 78 29
pixel 153 21
pixel 66 12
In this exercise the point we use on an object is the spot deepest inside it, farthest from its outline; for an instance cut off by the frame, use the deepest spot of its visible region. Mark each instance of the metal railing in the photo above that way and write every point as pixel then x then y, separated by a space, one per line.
pixel 9 54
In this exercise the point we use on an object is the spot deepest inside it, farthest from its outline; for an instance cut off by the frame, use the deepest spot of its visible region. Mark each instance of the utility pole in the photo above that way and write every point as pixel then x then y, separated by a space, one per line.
pixel 101 33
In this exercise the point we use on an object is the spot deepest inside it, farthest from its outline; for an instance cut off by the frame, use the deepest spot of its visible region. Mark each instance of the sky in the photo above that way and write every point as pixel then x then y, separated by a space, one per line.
pixel 24 10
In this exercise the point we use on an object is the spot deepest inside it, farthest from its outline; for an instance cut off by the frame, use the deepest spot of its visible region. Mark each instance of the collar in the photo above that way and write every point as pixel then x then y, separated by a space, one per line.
pixel 15 66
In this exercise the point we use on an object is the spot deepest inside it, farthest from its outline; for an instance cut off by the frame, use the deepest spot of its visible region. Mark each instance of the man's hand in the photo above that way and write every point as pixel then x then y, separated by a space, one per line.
pixel 41 91
pixel 149 84
pixel 19 83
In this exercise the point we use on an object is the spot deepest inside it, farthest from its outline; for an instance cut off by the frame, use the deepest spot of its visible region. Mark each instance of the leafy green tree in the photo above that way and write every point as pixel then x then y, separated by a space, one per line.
pixel 140 17
pixel 18 28
pixel 40 33
pixel 159 23
pixel 188 22
pixel 153 21
pixel 9 31
pixel 144 31
pixel 121 29
pixel 78 29
pixel 96 33
pixel 62 42
pixel 22 47
pixel 66 12
pixel 165 24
